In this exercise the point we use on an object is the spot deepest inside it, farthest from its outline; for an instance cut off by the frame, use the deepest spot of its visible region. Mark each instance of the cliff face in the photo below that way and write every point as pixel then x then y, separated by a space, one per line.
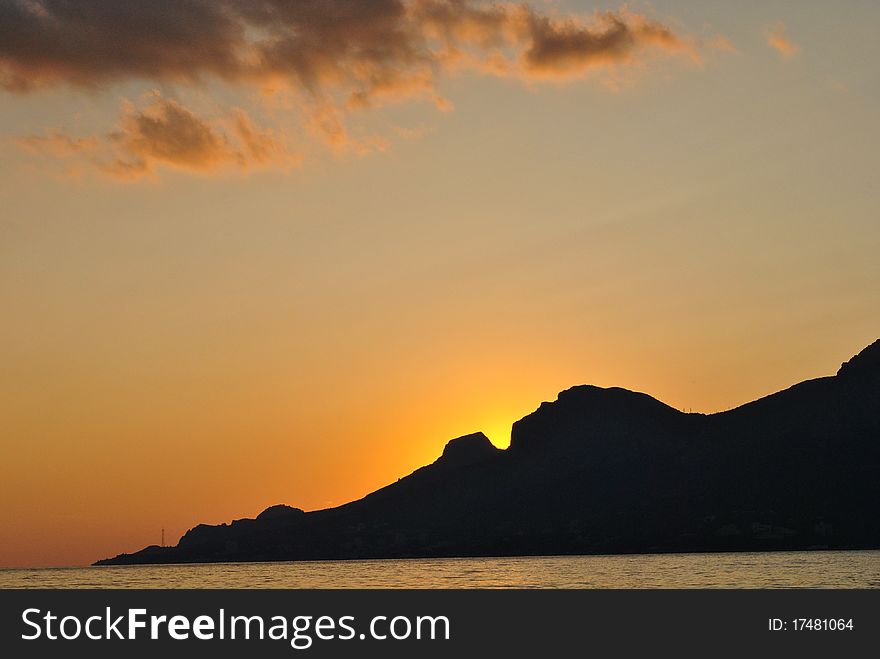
pixel 608 470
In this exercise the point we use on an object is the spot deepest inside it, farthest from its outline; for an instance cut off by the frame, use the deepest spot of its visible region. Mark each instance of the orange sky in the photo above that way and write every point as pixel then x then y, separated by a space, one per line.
pixel 234 275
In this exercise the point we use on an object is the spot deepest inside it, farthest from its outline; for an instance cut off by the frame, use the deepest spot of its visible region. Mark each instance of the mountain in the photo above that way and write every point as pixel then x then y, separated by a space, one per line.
pixel 607 471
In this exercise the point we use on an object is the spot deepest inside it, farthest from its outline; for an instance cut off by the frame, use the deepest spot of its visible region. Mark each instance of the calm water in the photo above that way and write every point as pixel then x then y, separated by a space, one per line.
pixel 753 570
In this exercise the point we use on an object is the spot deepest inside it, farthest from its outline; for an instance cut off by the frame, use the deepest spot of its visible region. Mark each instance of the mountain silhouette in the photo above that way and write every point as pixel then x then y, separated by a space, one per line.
pixel 607 471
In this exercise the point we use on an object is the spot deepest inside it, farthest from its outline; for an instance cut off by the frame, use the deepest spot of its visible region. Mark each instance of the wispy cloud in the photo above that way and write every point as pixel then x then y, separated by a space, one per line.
pixel 163 133
pixel 778 40
pixel 331 57
pixel 57 143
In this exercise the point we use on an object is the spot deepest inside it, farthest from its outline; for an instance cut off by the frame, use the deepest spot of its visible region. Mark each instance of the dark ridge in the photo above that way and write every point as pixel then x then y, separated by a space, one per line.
pixel 607 471
pixel 468 450
pixel 280 512
pixel 866 363
pixel 587 413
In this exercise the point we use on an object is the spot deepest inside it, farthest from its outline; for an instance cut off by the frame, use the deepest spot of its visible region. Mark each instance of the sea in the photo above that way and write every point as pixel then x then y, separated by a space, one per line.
pixel 814 569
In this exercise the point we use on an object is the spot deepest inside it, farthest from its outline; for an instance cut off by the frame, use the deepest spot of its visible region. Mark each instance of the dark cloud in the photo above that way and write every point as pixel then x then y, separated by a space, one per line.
pixel 88 42
pixel 330 56
pixel 357 47
pixel 567 47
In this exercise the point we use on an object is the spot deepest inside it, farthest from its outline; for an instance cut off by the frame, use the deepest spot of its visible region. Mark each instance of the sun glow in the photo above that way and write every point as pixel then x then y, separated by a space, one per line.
pixel 498 432
pixel 197 325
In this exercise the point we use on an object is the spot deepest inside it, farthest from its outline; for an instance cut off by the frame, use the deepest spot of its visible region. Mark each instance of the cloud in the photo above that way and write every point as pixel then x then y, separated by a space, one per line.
pixel 564 48
pixel 259 147
pixel 518 41
pixel 777 39
pixel 162 133
pixel 369 49
pixel 57 143
pixel 329 58
pixel 89 42
pixel 168 133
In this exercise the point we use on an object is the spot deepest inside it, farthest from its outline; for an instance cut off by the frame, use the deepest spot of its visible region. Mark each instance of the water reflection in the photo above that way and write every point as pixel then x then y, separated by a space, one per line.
pixel 748 570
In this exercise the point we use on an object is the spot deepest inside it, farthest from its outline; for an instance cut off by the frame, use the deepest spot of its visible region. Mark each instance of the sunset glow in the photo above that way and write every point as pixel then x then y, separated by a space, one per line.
pixel 269 259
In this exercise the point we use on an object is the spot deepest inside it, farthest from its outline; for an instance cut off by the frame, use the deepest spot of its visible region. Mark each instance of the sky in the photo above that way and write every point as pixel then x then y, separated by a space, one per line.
pixel 265 252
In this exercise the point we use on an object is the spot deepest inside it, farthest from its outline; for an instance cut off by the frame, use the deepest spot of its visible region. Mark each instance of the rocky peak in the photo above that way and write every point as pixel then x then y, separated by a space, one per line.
pixel 468 450
pixel 279 511
pixel 588 411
